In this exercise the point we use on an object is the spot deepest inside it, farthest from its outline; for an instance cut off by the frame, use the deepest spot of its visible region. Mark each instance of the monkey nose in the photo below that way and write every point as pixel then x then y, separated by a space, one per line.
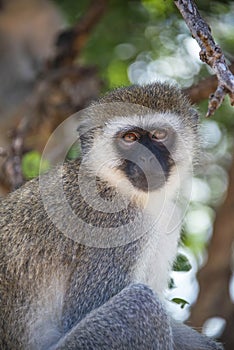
pixel 144 160
pixel 149 164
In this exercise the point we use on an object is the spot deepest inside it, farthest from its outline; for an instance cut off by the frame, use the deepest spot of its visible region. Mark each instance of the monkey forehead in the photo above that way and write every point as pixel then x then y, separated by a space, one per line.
pixel 148 122
pixel 114 116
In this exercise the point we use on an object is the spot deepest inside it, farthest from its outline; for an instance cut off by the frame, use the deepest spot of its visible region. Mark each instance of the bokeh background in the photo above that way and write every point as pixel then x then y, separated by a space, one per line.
pixel 56 56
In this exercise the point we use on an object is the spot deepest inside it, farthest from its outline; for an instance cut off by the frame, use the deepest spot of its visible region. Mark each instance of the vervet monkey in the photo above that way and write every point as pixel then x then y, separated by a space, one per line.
pixel 87 248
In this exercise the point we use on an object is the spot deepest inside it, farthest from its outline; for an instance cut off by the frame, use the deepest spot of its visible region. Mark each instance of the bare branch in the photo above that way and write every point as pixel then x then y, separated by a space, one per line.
pixel 210 53
pixel 204 88
pixel 214 277
pixel 70 42
pixel 12 164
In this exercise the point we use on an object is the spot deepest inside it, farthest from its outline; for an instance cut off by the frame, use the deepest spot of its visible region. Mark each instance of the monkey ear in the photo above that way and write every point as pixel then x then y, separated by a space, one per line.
pixel 83 127
pixel 194 115
pixel 86 133
pixel 82 130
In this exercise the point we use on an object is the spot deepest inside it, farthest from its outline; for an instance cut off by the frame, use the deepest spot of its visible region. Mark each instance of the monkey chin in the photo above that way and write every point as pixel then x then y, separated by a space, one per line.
pixel 148 182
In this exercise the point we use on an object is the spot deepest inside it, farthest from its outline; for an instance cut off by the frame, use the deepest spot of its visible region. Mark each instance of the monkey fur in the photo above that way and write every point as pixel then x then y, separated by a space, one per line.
pixel 56 292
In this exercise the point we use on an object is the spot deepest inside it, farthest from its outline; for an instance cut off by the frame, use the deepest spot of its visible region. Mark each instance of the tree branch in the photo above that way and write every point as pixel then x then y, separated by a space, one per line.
pixel 214 277
pixel 203 88
pixel 12 164
pixel 70 42
pixel 210 53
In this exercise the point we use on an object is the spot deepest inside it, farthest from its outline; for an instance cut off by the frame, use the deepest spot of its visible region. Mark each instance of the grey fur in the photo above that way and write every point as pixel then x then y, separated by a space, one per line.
pixel 56 293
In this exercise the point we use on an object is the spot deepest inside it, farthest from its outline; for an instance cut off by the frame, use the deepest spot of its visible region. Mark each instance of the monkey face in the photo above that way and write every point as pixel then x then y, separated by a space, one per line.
pixel 137 147
pixel 147 156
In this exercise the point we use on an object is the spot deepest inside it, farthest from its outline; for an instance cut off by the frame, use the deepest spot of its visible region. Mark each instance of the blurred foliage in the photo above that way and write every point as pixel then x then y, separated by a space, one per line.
pixel 72 10
pixel 138 41
pixel 33 165
pixel 159 9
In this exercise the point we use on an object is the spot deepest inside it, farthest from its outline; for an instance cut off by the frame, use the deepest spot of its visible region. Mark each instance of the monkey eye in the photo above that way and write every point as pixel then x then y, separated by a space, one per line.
pixel 131 137
pixel 159 135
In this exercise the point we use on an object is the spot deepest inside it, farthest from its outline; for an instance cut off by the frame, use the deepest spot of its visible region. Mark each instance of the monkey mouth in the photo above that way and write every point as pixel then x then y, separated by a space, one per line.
pixel 147 182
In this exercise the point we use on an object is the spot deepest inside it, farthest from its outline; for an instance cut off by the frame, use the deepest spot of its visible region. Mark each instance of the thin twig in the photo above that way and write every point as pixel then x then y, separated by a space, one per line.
pixel 210 53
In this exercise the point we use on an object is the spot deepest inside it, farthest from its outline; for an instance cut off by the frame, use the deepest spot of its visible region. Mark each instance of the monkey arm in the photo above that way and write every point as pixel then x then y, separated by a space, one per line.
pixel 133 319
pixel 186 338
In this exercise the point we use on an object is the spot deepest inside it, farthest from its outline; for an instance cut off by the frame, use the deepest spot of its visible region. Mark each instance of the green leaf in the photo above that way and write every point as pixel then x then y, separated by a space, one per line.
pixel 181 263
pixel 171 284
pixel 180 301
pixel 32 165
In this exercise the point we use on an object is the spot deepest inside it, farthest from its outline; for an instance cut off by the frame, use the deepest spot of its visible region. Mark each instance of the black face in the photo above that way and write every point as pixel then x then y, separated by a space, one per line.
pixel 147 161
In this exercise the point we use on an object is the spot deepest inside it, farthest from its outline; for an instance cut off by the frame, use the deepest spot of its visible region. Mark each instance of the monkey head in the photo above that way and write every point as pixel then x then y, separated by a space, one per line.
pixel 141 139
